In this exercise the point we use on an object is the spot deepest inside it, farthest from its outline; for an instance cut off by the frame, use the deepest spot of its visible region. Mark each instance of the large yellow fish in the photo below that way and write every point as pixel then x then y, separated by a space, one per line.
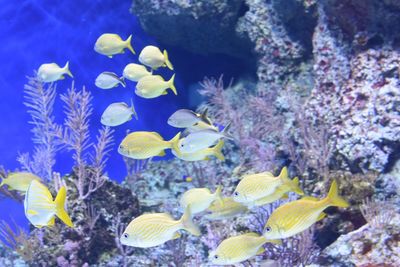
pixel 152 57
pixel 19 181
pixel 153 229
pixel 41 209
pixel 199 199
pixel 295 217
pixel 255 186
pixel 51 72
pixel 154 85
pixel 203 154
pixel 239 248
pixel 280 192
pixel 143 145
pixel 110 44
pixel 227 208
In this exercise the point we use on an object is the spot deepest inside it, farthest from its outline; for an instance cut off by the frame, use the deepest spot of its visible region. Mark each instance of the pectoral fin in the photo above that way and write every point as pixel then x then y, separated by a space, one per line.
pixel 32 212
pixel 260 251
pixel 162 154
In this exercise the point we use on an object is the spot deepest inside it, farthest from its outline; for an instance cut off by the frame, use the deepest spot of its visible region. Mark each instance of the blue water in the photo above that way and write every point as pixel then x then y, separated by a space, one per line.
pixel 33 32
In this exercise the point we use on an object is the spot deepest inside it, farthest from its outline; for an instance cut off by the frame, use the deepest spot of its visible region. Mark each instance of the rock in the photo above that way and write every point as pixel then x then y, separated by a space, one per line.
pixel 204 27
pixel 367 246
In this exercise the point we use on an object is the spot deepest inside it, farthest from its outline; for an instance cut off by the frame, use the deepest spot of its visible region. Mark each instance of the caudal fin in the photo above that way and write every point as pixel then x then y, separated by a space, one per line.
pixel 226 133
pixel 188 224
pixel 134 113
pixel 333 197
pixel 171 84
pixel 60 207
pixel 295 186
pixel 67 71
pixel 129 45
pixel 217 150
pixel 174 141
pixel 284 176
pixel 218 194
pixel 167 62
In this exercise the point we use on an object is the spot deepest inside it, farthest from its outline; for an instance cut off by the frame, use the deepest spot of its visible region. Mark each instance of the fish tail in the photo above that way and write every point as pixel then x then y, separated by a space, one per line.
pixel 333 197
pixel 284 177
pixel 134 113
pixel 67 71
pixel 188 224
pixel 295 186
pixel 175 140
pixel 171 84
pixel 217 149
pixel 122 81
pixel 225 131
pixel 218 194
pixel 167 62
pixel 60 207
pixel 129 45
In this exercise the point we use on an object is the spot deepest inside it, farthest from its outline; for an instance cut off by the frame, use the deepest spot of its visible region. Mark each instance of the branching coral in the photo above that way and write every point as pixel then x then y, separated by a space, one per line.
pixel 39 99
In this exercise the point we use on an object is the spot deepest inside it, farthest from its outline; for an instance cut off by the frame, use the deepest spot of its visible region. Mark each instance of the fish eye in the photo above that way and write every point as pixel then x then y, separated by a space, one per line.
pixel 216 257
pixel 236 194
pixel 125 235
pixel 268 229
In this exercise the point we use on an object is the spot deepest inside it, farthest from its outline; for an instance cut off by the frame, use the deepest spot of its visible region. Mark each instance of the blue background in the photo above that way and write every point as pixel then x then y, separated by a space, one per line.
pixel 33 32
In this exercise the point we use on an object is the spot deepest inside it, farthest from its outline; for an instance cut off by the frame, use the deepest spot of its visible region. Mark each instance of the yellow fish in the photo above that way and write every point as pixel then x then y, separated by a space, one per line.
pixel 199 199
pixel 280 192
pixel 152 57
pixel 135 72
pixel 19 181
pixel 154 85
pixel 239 248
pixel 153 229
pixel 255 186
pixel 40 208
pixel 228 208
pixel 51 72
pixel 110 44
pixel 143 145
pixel 295 217
pixel 203 154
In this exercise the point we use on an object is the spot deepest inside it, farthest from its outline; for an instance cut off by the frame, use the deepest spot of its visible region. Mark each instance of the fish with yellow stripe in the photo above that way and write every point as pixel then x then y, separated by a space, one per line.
pixel 199 199
pixel 280 193
pixel 203 154
pixel 239 248
pixel 296 216
pixel 143 145
pixel 19 181
pixel 41 209
pixel 227 208
pixel 256 186
pixel 153 229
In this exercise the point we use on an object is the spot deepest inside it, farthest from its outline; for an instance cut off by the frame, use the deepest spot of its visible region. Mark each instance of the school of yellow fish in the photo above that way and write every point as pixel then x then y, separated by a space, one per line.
pixel 199 140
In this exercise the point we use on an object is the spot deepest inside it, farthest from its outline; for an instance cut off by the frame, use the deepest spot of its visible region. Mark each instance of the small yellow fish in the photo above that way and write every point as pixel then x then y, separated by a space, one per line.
pixel 110 44
pixel 199 199
pixel 143 145
pixel 152 57
pixel 228 208
pixel 40 208
pixel 255 186
pixel 154 85
pixel 239 248
pixel 296 216
pixel 135 72
pixel 51 72
pixel 153 229
pixel 280 192
pixel 203 154
pixel 19 181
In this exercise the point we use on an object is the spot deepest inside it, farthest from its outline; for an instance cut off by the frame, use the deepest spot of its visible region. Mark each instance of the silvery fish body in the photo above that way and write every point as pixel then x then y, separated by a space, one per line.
pixel 184 118
pixel 199 140
pixel 108 80
pixel 117 114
